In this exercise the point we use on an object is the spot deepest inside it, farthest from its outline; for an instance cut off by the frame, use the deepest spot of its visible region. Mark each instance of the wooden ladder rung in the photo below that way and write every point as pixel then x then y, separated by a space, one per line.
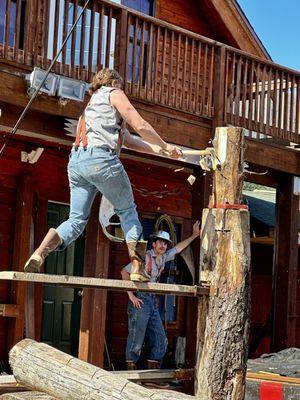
pixel 112 284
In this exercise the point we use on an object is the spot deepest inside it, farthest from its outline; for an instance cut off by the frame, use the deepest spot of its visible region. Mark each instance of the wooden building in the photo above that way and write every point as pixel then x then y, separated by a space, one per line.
pixel 189 66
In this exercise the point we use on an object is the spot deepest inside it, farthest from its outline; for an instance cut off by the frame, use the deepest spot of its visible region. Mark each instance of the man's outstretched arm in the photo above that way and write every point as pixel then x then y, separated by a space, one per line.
pixel 184 243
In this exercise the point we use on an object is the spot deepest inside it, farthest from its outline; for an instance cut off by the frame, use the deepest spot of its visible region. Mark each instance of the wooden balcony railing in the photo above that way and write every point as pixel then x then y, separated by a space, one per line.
pixel 161 63
pixel 262 97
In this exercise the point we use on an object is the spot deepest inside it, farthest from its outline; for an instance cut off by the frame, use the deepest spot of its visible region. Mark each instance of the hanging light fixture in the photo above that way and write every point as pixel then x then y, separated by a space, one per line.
pixel 49 86
pixel 71 89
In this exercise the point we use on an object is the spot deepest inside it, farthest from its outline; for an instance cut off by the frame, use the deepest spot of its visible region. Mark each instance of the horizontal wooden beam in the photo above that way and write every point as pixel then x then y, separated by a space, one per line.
pixel 272 156
pixel 111 284
pixel 9 310
pixel 12 83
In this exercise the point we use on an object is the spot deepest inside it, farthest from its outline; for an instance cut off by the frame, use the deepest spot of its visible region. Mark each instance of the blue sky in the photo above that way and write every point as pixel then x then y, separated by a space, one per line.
pixel 277 24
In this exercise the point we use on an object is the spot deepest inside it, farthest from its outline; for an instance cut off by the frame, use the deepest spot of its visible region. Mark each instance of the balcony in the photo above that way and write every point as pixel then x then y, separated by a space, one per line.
pixel 162 64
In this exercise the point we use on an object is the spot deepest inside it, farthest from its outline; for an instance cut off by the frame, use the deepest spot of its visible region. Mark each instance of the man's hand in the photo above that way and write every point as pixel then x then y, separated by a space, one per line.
pixel 174 151
pixel 184 243
pixel 196 228
pixel 135 301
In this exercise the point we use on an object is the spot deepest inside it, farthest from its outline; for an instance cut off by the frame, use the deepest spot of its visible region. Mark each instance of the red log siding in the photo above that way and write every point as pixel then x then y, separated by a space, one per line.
pixel 297 344
pixel 7 216
pixel 50 177
pixel 187 15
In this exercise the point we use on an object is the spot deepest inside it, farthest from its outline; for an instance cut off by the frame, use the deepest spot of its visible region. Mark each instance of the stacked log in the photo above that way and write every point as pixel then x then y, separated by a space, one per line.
pixel 42 368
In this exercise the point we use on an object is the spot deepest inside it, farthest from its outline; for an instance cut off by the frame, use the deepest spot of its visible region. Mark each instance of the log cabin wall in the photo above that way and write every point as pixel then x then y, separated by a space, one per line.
pixel 197 16
pixel 49 180
pixel 298 299
pixel 187 15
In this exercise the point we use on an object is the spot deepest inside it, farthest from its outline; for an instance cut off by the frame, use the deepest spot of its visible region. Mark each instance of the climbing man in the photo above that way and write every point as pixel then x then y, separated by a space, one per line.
pixel 144 321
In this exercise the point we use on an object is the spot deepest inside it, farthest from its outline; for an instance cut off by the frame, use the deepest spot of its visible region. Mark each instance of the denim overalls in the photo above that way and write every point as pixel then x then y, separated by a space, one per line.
pixel 145 323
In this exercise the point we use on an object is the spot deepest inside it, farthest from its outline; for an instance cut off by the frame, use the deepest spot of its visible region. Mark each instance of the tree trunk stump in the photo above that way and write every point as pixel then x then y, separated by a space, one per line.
pixel 225 264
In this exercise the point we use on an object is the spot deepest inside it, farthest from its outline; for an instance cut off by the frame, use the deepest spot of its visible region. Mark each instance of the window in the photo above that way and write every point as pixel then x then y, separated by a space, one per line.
pixel 143 6
pixel 79 32
pixel 12 22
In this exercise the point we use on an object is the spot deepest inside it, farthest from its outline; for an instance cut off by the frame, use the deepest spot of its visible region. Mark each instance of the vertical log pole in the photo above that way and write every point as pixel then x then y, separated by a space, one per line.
pixel 21 253
pixel 94 302
pixel 225 263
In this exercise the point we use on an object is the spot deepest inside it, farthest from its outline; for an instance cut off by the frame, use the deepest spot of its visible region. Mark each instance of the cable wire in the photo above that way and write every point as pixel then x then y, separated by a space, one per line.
pixel 15 128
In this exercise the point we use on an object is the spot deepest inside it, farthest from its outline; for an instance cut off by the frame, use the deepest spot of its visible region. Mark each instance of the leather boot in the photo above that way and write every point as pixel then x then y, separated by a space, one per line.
pixel 50 242
pixel 131 365
pixel 152 364
pixel 137 253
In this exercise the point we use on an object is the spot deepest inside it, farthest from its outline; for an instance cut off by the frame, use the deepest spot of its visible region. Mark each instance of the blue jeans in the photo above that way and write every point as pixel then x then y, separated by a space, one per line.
pixel 145 323
pixel 92 170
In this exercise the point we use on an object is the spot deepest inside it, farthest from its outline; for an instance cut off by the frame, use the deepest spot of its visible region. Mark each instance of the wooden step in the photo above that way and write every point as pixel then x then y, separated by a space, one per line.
pixel 157 374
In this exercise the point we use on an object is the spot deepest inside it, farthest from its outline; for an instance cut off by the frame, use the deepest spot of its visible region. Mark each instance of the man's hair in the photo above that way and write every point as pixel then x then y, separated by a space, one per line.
pixel 106 77
pixel 155 239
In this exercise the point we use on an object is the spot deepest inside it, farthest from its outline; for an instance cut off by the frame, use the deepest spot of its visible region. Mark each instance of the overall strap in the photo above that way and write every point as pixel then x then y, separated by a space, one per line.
pixel 149 261
pixel 81 133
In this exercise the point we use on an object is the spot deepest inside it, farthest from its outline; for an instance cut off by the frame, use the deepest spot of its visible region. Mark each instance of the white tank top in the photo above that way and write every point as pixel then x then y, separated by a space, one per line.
pixel 103 121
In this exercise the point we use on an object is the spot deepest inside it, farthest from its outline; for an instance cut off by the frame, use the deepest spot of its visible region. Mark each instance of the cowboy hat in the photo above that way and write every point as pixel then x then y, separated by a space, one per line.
pixel 163 235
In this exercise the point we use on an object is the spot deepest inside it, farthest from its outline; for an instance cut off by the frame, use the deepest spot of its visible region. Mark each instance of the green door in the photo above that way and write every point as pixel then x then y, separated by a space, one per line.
pixel 61 305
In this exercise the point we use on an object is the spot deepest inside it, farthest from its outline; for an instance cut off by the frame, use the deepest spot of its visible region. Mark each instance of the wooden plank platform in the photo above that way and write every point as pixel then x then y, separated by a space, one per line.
pixel 111 284
pixel 149 374
pixel 9 384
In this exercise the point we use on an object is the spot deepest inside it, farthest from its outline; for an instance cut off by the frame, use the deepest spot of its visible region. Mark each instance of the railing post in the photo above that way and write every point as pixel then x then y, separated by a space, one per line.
pixel 30 31
pixel 121 45
pixel 219 87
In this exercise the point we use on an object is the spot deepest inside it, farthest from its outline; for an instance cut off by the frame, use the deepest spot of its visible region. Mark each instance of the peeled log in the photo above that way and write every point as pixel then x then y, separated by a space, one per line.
pixel 40 367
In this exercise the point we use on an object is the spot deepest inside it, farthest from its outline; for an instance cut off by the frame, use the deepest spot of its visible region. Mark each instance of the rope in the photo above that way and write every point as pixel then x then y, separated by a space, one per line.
pixel 22 116
pixel 227 206
pixel 159 224
pixel 159 194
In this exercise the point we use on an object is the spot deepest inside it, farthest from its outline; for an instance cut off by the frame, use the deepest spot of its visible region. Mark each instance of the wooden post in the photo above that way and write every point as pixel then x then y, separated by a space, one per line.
pixel 20 255
pixel 225 263
pixel 43 368
pixel 121 44
pixel 285 266
pixel 93 308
